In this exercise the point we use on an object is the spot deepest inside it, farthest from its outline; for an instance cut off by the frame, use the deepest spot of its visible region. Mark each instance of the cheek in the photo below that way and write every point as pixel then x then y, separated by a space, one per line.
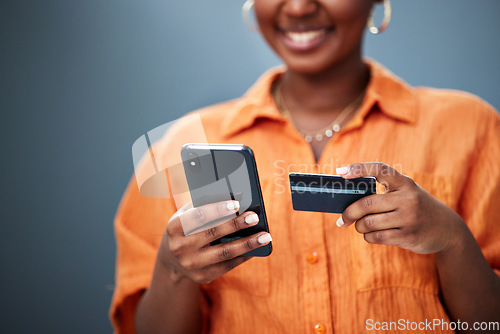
pixel 265 13
pixel 264 10
pixel 349 11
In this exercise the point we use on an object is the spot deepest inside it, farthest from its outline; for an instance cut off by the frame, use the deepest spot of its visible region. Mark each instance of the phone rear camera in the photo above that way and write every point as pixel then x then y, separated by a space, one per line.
pixel 193 162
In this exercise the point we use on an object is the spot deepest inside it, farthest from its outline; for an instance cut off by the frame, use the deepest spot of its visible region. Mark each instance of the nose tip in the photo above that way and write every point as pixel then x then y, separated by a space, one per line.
pixel 299 8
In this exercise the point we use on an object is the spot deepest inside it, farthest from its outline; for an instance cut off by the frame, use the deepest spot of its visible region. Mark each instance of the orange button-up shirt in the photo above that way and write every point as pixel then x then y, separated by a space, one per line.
pixel 321 278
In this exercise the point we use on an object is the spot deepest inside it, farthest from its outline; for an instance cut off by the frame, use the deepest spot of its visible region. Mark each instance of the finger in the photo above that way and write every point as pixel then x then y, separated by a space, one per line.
pixel 392 236
pixel 174 227
pixel 195 218
pixel 385 174
pixel 377 222
pixel 183 209
pixel 368 205
pixel 186 207
pixel 232 225
pixel 230 250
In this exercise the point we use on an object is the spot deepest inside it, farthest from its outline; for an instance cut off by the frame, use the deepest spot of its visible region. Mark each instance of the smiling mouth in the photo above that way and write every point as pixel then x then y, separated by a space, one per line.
pixel 304 36
pixel 303 40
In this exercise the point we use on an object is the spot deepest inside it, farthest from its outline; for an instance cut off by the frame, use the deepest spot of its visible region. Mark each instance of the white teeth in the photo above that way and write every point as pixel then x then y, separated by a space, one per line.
pixel 304 37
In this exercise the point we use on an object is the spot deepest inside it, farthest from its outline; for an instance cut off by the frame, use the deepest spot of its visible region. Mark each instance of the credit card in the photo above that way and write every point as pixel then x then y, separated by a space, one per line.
pixel 328 193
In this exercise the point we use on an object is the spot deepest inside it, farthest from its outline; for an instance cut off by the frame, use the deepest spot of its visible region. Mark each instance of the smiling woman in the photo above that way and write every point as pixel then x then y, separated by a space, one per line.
pixel 312 37
pixel 426 246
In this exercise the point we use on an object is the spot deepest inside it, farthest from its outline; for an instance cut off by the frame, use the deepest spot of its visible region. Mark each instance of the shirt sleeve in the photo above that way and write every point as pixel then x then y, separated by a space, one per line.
pixel 139 226
pixel 480 202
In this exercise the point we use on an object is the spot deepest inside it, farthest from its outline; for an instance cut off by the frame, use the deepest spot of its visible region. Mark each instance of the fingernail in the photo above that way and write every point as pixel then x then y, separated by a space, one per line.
pixel 233 205
pixel 265 239
pixel 342 170
pixel 252 218
pixel 340 222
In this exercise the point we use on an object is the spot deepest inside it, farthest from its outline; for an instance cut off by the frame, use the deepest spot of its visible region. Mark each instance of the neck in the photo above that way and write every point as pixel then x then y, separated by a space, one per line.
pixel 326 92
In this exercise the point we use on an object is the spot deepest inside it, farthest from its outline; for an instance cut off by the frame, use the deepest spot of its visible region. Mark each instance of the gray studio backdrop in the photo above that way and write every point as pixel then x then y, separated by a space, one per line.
pixel 81 80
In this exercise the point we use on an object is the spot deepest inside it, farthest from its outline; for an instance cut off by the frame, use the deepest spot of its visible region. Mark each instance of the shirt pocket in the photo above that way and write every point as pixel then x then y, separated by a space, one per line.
pixel 382 266
pixel 251 277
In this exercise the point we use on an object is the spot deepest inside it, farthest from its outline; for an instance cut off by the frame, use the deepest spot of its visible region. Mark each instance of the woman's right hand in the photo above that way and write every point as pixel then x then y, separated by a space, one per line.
pixel 193 256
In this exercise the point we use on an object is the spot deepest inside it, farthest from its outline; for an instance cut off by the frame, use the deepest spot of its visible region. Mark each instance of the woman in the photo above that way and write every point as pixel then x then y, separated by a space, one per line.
pixel 423 251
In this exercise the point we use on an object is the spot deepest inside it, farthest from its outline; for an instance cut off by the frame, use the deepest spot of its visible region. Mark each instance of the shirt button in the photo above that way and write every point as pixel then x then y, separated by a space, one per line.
pixel 312 258
pixel 319 328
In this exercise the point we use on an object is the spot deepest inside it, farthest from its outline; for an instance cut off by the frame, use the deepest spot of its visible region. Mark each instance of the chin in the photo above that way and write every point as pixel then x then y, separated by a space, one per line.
pixel 320 63
pixel 308 66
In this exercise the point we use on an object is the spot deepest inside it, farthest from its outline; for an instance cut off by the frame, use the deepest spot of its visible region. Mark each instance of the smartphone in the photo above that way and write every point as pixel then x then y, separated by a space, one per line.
pixel 221 172
pixel 328 193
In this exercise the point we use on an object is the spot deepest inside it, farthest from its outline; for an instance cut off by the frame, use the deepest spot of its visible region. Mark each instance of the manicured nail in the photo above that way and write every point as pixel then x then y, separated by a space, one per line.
pixel 265 239
pixel 340 222
pixel 252 218
pixel 233 205
pixel 342 170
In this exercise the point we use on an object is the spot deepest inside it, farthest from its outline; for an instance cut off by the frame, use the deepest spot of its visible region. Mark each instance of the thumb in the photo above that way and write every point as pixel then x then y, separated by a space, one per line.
pixel 389 177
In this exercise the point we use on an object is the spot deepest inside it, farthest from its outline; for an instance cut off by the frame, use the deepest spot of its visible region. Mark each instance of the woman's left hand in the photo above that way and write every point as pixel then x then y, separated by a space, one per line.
pixel 405 215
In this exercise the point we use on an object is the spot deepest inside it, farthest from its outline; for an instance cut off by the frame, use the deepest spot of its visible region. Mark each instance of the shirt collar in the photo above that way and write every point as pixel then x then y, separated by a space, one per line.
pixel 394 97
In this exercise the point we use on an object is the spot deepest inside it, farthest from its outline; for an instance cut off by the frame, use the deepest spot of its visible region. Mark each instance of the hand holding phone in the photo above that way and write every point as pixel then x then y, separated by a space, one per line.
pixel 222 172
pixel 195 256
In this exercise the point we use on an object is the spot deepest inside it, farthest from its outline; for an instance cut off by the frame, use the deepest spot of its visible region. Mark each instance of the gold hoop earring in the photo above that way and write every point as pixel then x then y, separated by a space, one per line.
pixel 385 22
pixel 245 15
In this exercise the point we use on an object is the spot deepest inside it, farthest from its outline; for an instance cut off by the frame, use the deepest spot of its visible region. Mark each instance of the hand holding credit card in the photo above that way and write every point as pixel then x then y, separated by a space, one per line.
pixel 328 193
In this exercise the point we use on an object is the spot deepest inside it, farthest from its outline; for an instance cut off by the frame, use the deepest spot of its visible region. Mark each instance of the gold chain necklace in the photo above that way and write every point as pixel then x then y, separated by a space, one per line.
pixel 326 132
